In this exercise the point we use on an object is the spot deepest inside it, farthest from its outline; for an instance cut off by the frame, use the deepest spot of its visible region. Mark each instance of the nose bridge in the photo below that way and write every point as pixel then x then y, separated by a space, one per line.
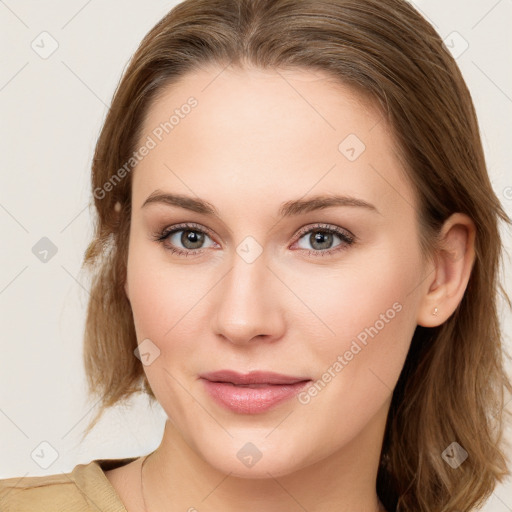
pixel 246 304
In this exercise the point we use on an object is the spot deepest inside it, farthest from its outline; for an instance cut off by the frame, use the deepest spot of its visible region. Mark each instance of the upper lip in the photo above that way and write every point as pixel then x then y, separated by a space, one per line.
pixel 254 377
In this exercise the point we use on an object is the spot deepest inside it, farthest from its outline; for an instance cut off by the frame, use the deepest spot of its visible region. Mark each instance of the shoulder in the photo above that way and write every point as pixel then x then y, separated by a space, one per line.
pixel 41 493
pixel 84 489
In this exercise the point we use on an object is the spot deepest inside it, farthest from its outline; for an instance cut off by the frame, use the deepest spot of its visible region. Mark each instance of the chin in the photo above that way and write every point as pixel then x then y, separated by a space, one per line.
pixel 258 459
pixel 261 470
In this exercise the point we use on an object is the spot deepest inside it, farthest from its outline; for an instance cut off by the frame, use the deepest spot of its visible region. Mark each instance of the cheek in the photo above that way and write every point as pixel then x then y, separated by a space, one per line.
pixel 162 298
pixel 168 304
pixel 366 307
pixel 159 291
pixel 371 312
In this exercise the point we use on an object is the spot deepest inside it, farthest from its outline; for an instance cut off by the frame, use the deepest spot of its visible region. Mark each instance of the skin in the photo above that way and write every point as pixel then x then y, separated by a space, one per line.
pixel 258 139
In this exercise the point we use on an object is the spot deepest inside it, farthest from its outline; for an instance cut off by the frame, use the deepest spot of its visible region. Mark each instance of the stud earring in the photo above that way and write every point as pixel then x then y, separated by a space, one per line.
pixel 435 311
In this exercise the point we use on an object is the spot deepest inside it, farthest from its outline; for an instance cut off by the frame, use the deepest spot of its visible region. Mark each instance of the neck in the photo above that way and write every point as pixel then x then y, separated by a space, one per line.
pixel 176 478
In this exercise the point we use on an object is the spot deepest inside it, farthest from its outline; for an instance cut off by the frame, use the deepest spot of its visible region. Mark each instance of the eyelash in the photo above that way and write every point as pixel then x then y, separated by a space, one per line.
pixel 347 239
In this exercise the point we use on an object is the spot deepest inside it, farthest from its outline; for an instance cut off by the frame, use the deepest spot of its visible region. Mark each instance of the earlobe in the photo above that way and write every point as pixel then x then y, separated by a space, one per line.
pixel 453 262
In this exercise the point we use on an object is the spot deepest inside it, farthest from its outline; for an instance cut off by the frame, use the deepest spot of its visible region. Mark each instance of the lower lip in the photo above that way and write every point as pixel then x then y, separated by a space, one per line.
pixel 247 400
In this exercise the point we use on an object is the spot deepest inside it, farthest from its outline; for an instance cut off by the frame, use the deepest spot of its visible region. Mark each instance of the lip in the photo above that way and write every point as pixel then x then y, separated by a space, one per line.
pixel 254 377
pixel 251 393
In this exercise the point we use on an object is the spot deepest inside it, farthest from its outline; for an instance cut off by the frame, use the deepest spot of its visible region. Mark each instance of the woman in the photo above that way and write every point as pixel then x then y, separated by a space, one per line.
pixel 296 255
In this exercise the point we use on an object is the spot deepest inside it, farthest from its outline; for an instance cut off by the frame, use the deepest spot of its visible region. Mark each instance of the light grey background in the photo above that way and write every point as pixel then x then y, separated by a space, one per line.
pixel 51 112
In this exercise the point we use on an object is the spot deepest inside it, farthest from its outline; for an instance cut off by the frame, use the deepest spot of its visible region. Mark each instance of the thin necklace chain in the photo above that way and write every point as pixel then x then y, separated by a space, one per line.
pixel 381 506
pixel 141 483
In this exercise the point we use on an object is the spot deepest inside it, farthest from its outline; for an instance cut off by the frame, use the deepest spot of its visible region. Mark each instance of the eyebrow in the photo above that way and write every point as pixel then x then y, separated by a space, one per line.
pixel 287 209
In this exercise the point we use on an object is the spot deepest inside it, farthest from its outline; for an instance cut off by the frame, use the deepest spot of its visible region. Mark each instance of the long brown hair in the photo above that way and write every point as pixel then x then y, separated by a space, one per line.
pixel 452 385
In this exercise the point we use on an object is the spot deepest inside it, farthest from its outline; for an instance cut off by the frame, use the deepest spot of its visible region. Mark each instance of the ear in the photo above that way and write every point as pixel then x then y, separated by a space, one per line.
pixel 453 262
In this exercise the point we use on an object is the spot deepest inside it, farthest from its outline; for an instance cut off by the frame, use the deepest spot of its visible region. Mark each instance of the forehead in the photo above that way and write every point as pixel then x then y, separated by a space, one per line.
pixel 266 99
pixel 251 131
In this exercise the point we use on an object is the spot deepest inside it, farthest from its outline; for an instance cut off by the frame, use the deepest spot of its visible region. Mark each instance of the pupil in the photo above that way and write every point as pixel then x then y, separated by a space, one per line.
pixel 192 238
pixel 318 237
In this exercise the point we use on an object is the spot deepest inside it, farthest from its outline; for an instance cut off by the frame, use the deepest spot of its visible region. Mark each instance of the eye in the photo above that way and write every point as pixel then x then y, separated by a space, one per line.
pixel 185 239
pixel 189 239
pixel 321 239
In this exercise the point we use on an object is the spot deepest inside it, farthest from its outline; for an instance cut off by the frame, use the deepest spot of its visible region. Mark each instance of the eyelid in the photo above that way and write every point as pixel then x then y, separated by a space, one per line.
pixel 327 227
pixel 190 226
pixel 162 234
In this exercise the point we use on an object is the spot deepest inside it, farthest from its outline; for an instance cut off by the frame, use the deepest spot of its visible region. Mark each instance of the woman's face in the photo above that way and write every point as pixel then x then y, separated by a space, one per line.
pixel 281 277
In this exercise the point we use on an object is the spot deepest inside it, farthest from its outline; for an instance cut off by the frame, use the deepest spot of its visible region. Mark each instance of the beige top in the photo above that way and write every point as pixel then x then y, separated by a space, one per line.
pixel 85 489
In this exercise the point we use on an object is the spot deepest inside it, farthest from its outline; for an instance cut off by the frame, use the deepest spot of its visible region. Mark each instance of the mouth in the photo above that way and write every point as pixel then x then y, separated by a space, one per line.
pixel 251 393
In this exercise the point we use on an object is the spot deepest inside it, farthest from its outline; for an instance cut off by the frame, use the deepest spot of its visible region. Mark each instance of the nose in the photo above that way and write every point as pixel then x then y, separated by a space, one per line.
pixel 247 305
